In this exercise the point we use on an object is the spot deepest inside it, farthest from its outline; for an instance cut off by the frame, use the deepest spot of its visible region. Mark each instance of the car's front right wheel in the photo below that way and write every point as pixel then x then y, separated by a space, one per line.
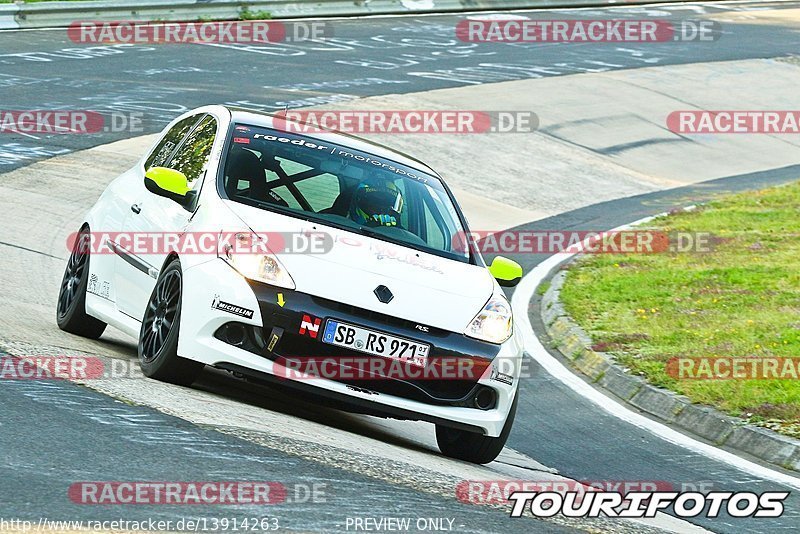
pixel 471 446
pixel 158 337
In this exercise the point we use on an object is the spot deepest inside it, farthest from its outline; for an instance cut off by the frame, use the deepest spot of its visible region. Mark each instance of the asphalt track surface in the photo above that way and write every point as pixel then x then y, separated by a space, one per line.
pixel 46 70
pixel 52 434
pixel 77 434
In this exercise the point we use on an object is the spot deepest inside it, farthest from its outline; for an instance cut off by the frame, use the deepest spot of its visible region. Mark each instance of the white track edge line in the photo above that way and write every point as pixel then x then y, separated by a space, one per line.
pixel 520 302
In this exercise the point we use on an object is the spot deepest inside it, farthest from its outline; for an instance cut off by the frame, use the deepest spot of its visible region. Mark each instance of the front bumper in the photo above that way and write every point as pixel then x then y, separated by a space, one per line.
pixel 272 319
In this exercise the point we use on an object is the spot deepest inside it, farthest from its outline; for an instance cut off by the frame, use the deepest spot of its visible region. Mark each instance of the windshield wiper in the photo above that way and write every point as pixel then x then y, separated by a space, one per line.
pixel 302 215
pixel 272 206
pixel 364 230
pixel 371 232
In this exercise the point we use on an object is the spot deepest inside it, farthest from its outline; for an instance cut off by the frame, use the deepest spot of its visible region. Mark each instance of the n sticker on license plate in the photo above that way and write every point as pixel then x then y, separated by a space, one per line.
pixel 375 343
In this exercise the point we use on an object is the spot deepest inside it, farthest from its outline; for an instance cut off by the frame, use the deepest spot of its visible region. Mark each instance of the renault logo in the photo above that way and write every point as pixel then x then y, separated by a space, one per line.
pixel 383 294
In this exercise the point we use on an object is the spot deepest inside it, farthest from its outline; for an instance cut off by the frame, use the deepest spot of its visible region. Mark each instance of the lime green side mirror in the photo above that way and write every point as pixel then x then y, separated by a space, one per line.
pixel 507 273
pixel 167 183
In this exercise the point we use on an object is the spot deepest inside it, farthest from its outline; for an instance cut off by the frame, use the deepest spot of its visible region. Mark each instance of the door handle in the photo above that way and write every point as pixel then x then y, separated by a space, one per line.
pixel 136 208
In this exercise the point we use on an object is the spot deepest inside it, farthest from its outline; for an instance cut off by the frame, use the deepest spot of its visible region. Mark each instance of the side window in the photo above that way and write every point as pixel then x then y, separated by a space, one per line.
pixel 192 156
pixel 166 147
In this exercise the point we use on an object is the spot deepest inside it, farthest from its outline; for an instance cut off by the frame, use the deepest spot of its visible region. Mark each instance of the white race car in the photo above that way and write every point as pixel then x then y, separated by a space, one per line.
pixel 318 261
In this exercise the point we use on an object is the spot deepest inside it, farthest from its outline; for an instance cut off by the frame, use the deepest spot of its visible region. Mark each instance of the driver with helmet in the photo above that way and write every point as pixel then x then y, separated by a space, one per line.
pixel 376 202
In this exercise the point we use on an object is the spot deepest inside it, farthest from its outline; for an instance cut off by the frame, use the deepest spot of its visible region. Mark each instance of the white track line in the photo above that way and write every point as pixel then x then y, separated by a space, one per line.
pixel 519 303
pixel 723 5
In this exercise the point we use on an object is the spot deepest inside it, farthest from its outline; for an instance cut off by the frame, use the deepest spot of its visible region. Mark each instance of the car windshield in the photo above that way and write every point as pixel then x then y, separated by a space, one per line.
pixel 342 187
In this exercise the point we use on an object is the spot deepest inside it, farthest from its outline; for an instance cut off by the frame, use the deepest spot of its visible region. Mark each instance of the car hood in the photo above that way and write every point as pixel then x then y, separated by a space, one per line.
pixel 427 289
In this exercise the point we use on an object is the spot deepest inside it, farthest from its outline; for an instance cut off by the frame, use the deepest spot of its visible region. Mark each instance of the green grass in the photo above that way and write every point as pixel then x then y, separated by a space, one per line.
pixel 542 288
pixel 246 14
pixel 742 300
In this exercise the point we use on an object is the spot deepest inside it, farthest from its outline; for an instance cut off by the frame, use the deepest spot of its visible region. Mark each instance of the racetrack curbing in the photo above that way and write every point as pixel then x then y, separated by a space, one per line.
pixel 62 14
pixel 706 422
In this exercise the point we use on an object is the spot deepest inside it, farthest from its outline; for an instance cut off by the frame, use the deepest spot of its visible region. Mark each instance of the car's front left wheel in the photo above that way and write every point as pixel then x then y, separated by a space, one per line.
pixel 71 313
pixel 158 337
pixel 471 446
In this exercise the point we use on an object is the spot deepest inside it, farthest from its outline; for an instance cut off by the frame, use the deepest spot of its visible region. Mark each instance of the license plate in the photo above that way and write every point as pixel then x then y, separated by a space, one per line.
pixel 375 343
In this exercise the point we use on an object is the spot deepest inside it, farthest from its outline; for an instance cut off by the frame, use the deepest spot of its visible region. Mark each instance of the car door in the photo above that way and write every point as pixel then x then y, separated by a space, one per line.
pixel 185 148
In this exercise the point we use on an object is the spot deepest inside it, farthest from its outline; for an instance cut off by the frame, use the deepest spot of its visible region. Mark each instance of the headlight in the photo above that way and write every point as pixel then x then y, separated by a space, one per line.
pixel 248 254
pixel 493 323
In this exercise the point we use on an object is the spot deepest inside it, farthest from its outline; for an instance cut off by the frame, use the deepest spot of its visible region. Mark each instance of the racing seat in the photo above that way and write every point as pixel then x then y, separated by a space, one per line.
pixel 244 166
pixel 268 159
pixel 349 178
pixel 342 203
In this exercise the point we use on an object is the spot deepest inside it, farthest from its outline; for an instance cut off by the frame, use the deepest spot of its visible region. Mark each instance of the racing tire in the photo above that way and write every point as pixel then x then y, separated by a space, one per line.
pixel 472 446
pixel 158 336
pixel 71 313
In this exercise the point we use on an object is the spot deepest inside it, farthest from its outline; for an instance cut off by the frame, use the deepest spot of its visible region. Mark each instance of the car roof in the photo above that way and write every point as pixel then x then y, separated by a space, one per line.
pixel 261 118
